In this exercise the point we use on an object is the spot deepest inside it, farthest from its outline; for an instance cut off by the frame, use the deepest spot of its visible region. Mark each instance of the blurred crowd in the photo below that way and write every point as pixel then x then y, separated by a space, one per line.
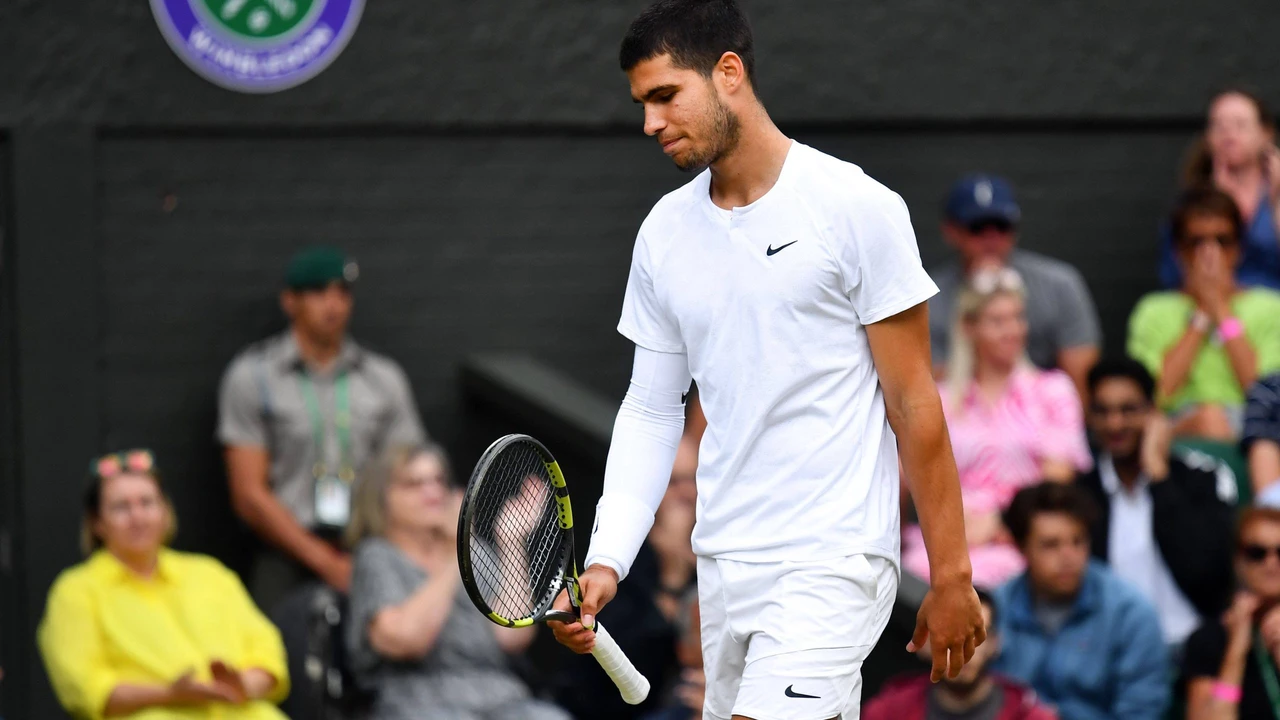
pixel 1123 511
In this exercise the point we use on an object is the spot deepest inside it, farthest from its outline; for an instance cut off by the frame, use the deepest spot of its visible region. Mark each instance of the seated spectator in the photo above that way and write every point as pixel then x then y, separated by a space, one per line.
pixel 685 699
pixel 415 639
pixel 975 694
pixel 1209 342
pixel 1230 663
pixel 1167 518
pixel 981 222
pixel 1237 155
pixel 1012 424
pixel 1084 639
pixel 141 631
pixel 1261 440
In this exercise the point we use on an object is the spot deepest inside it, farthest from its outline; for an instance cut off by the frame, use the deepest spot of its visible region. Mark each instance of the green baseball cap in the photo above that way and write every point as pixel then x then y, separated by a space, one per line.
pixel 314 268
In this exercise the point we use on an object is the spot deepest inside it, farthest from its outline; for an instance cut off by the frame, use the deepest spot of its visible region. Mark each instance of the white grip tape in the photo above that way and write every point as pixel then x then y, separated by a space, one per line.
pixel 633 686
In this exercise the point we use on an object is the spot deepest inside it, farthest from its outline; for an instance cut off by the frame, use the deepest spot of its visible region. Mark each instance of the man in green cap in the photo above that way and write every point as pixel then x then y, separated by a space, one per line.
pixel 299 413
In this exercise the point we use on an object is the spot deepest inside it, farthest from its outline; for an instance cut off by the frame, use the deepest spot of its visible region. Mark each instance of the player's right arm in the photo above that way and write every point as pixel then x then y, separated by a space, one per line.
pixel 646 436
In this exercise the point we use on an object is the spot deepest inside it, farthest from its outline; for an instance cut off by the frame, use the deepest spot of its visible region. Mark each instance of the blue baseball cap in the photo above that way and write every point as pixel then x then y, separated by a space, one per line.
pixel 982 197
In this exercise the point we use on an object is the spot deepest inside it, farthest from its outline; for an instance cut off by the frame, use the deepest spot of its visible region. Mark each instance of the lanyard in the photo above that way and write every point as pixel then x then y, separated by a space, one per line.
pixel 341 424
pixel 1267 668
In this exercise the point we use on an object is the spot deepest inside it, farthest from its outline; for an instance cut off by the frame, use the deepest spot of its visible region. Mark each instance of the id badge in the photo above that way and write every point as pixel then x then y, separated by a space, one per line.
pixel 333 501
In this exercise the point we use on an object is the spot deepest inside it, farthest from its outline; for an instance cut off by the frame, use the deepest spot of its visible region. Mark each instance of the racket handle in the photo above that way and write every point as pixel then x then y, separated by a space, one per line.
pixel 633 686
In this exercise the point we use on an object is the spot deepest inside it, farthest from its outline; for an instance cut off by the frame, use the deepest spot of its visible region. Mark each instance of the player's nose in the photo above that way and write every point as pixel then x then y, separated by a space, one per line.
pixel 654 123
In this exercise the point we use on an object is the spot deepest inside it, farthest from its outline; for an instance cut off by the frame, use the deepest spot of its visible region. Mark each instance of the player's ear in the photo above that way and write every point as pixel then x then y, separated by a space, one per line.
pixel 288 303
pixel 731 72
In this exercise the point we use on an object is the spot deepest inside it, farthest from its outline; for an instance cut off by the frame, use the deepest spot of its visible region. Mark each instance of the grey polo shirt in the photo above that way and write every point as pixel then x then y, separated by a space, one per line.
pixel 1060 311
pixel 261 404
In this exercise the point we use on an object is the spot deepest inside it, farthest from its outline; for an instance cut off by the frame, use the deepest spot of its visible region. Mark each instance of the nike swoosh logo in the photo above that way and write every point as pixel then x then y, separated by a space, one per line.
pixel 792 693
pixel 775 250
pixel 683 396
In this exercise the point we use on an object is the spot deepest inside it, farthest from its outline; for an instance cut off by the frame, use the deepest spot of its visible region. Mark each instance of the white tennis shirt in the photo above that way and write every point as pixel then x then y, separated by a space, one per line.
pixel 768 302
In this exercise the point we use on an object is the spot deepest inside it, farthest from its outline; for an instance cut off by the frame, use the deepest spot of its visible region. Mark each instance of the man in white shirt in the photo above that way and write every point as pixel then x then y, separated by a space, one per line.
pixel 789 285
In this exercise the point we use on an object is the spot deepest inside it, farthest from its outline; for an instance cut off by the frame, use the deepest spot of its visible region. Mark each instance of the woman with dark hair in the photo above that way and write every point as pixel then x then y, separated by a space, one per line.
pixel 1207 343
pixel 141 631
pixel 416 641
pixel 1237 154
pixel 1230 663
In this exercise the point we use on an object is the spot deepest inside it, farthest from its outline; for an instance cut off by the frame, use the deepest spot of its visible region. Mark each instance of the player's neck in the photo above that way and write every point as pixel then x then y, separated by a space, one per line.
pixel 316 353
pixel 752 169
pixel 958 700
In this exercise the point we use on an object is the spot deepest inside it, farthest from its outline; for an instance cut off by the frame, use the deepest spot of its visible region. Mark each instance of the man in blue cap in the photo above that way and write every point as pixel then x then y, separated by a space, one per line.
pixel 981 222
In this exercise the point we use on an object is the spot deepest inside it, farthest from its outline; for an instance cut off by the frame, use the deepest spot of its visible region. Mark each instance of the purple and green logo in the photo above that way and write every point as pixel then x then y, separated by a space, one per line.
pixel 257 46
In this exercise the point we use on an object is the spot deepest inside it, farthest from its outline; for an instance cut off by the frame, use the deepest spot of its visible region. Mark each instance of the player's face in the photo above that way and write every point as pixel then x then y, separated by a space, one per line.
pixel 999 331
pixel 1258 559
pixel 1235 132
pixel 133 517
pixel 685 112
pixel 323 314
pixel 1118 415
pixel 1057 552
pixel 419 494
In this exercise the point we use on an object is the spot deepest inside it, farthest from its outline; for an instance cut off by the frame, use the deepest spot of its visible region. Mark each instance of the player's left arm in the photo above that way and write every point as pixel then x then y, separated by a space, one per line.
pixel 951 615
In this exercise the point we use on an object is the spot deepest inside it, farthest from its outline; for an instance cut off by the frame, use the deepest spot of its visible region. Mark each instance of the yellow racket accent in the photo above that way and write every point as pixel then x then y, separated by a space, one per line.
pixel 557 477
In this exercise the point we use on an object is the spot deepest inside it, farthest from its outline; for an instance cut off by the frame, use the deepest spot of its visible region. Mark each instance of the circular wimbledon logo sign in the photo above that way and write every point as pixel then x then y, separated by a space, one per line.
pixel 257 46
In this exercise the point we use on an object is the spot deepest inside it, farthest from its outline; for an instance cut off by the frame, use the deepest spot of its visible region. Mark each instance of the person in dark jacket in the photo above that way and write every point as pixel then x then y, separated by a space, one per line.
pixel 1087 641
pixel 974 694
pixel 1166 518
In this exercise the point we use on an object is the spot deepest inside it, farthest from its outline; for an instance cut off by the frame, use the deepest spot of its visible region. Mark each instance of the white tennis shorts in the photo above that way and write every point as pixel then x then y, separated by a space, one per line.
pixel 786 640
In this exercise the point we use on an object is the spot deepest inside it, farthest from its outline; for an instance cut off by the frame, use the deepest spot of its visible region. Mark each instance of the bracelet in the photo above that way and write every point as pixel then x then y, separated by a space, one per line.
pixel 1227 692
pixel 1229 329
pixel 1201 322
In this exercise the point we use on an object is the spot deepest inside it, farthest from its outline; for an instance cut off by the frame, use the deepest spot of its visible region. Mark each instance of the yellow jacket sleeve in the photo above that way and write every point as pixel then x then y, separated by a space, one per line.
pixel 70 641
pixel 264 647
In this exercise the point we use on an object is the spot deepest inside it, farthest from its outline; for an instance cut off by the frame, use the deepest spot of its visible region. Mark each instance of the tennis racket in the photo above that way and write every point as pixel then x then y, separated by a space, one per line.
pixel 515 548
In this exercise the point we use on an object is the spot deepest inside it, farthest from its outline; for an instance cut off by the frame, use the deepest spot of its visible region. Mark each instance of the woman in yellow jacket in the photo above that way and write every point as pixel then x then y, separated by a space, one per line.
pixel 143 632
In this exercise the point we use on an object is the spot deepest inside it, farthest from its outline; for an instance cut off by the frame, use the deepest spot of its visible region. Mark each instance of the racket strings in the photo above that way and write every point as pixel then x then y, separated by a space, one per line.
pixel 516 538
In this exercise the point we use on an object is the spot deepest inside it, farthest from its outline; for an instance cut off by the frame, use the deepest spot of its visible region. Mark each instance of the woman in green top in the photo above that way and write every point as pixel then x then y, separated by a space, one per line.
pixel 1208 342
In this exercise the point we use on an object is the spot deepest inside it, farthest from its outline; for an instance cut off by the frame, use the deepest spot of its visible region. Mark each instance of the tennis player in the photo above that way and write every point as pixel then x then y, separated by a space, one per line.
pixel 788 284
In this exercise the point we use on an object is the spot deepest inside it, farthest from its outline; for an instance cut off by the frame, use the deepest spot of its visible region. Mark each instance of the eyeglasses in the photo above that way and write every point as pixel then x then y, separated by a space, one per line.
pixel 986 282
pixel 979 227
pixel 118 463
pixel 1255 553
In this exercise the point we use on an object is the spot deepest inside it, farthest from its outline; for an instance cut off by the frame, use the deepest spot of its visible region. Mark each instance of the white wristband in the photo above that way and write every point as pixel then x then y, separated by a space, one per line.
pixel 621 526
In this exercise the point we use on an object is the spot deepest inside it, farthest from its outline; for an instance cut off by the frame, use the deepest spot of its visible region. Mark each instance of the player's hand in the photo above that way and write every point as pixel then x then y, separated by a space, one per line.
pixel 950 620
pixel 599 584
pixel 571 635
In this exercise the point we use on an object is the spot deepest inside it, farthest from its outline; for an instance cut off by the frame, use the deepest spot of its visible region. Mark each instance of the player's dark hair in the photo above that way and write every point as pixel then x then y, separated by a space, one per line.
pixel 695 33
pixel 1124 368
pixel 1044 499
pixel 989 600
pixel 1205 200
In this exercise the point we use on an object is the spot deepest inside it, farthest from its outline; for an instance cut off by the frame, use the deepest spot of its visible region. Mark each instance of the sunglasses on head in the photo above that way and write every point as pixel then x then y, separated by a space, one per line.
pixel 986 282
pixel 118 463
pixel 1256 553
pixel 978 227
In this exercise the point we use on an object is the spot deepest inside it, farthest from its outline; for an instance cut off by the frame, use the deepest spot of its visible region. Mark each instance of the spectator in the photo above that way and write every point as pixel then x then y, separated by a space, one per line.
pixel 415 639
pixel 1237 155
pixel 1208 343
pixel 686 697
pixel 299 413
pixel 1087 641
pixel 975 694
pixel 141 631
pixel 981 222
pixel 1230 663
pixel 1166 519
pixel 1011 424
pixel 1261 440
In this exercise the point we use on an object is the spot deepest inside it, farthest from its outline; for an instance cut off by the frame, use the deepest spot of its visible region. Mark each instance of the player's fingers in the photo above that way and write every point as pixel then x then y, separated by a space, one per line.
pixel 939 662
pixel 592 594
pixel 980 634
pixel 956 659
pixel 921 634
pixel 970 645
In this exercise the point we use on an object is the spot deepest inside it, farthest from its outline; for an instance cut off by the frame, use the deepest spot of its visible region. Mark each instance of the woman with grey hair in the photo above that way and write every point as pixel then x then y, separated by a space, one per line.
pixel 415 640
